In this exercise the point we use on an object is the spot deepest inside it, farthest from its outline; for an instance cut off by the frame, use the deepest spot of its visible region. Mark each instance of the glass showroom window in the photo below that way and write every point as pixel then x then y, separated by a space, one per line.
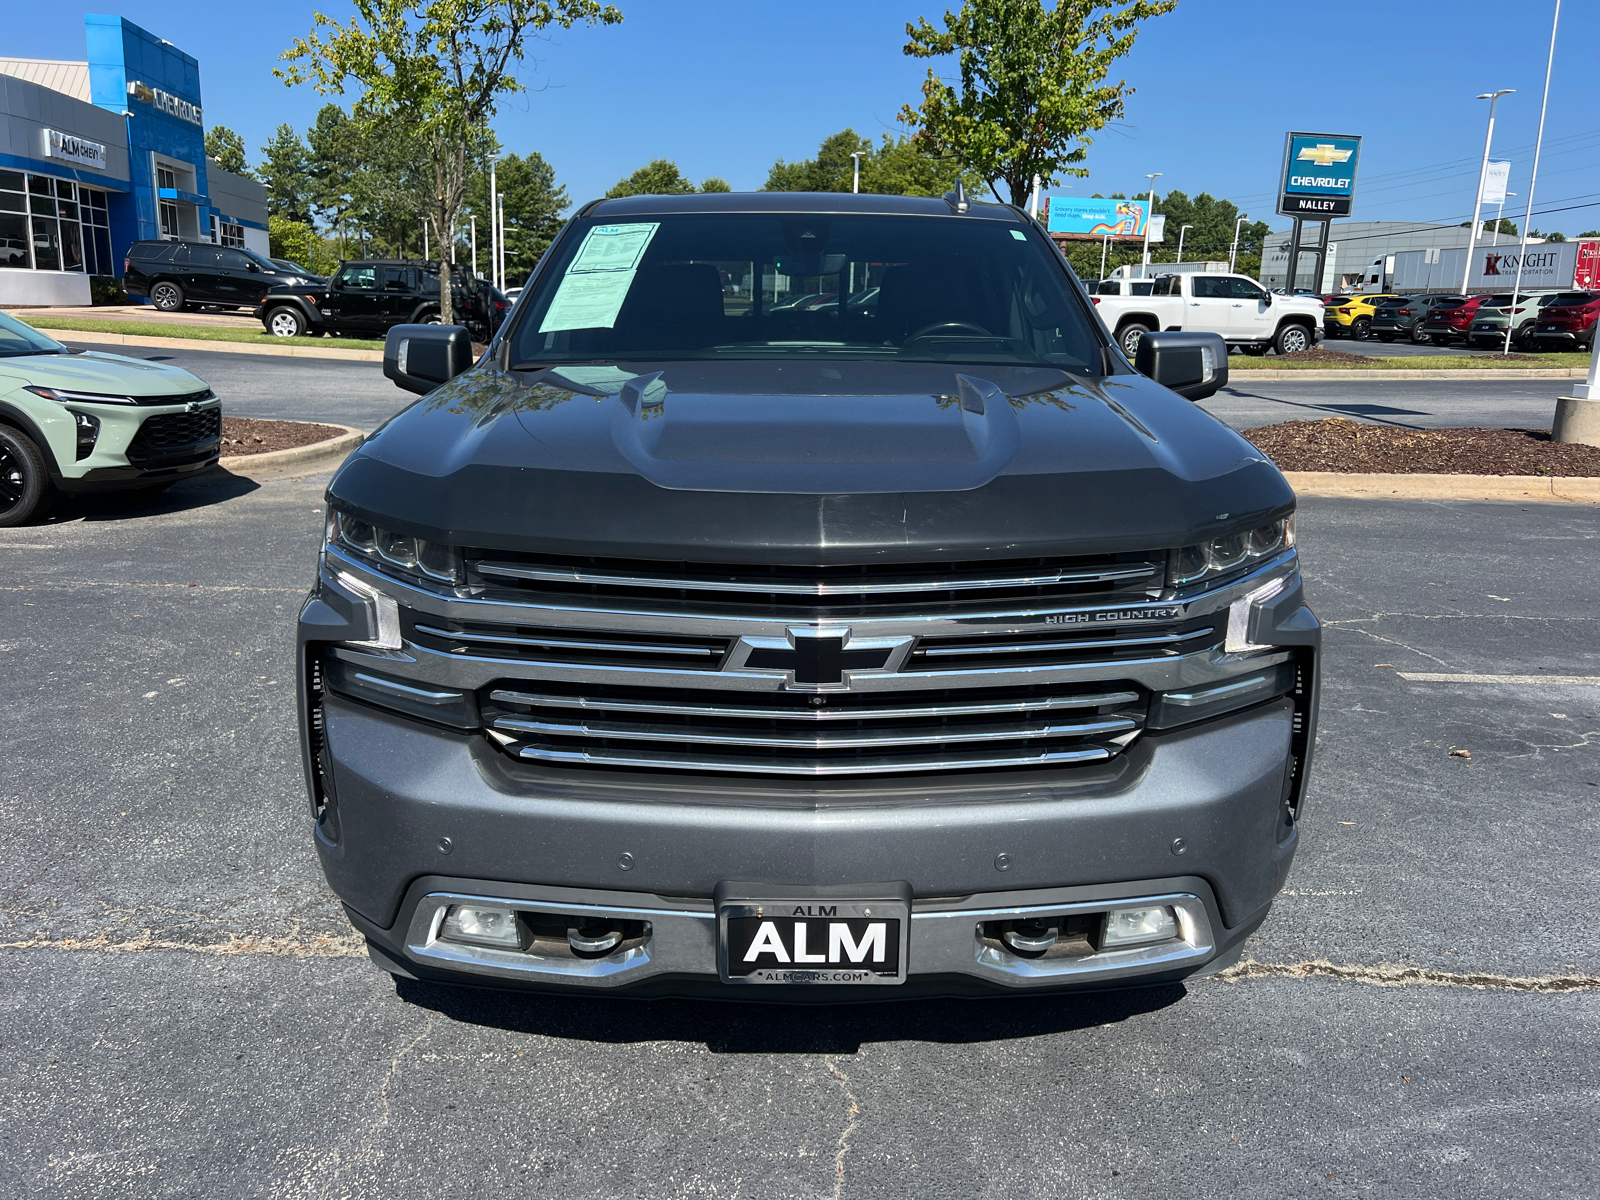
pixel 14 220
pixel 169 219
pixel 96 219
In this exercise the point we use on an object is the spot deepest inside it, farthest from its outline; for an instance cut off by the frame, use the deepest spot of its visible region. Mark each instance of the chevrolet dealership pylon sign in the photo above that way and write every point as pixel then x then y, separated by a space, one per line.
pixel 1318 181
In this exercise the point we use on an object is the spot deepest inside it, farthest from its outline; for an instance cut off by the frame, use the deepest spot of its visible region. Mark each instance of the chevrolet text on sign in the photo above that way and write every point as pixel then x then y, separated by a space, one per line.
pixel 1319 175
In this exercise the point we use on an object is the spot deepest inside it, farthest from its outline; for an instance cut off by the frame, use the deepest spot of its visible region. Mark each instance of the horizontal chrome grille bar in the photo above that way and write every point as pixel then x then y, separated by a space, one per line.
pixel 842 740
pixel 607 757
pixel 744 708
pixel 1154 639
pixel 817 588
pixel 562 643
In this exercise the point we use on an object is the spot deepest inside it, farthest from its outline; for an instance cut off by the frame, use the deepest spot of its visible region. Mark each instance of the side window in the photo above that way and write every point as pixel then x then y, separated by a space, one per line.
pixel 396 279
pixel 1209 287
pixel 361 279
pixel 180 255
pixel 1141 287
pixel 1109 287
pixel 233 260
pixel 1243 289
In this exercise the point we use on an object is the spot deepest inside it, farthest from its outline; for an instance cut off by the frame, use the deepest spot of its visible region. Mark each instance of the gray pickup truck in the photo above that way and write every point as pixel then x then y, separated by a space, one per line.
pixel 692 642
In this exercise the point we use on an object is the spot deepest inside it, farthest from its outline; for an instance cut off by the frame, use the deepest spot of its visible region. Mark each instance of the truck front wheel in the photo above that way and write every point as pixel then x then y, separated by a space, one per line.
pixel 1129 337
pixel 1292 339
pixel 284 322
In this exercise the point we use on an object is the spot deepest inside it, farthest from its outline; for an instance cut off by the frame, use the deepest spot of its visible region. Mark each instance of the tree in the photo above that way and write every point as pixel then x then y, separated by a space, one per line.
pixel 284 170
pixel 534 204
pixel 337 158
pixel 1586 233
pixel 1212 232
pixel 896 167
pixel 226 149
pixel 1549 237
pixel 715 183
pixel 1033 85
pixel 658 177
pixel 438 68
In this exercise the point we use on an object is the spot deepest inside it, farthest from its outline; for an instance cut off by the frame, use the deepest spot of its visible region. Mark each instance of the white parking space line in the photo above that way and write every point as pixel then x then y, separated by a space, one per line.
pixel 1439 677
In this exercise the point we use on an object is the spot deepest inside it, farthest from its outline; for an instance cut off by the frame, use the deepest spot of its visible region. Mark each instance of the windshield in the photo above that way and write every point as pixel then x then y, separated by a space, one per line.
pixel 756 286
pixel 17 338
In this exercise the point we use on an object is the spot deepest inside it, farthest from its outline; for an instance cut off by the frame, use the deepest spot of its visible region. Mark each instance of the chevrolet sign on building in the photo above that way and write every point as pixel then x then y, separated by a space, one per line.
pixel 1319 175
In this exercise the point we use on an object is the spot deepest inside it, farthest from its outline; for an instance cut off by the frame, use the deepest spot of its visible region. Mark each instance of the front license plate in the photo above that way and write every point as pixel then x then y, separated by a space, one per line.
pixel 810 942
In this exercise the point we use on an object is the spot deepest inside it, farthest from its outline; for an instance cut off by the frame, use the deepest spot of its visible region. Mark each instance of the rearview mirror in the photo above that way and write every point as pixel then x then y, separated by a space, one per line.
pixel 421 357
pixel 1195 365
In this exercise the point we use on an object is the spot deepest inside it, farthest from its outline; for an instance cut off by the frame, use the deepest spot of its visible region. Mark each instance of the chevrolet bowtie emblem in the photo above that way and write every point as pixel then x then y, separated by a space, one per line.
pixel 818 658
pixel 1324 154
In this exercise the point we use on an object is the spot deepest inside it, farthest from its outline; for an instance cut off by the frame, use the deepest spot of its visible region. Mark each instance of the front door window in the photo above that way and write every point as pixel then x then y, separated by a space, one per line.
pixel 169 220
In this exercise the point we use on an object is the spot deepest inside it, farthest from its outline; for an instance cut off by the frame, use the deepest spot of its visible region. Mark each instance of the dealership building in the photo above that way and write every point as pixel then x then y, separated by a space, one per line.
pixel 97 155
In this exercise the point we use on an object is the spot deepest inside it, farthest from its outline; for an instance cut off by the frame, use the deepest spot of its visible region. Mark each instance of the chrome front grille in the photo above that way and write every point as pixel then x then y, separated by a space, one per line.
pixel 785 733
pixel 554 644
pixel 1059 646
pixel 813 590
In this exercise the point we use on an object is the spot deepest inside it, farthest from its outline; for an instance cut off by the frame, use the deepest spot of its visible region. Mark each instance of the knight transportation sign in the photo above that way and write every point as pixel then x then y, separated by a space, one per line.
pixel 1319 175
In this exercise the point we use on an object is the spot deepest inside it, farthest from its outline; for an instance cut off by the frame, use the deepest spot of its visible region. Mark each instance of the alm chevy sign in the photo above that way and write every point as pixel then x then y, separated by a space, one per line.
pixel 165 102
pixel 74 149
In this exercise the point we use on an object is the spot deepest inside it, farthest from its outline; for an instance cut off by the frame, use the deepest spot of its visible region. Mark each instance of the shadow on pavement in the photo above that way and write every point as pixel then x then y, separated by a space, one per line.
pixel 732 1028
pixel 213 487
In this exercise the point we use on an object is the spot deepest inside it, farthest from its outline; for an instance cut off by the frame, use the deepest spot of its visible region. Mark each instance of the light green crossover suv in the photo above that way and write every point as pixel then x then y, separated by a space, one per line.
pixel 81 421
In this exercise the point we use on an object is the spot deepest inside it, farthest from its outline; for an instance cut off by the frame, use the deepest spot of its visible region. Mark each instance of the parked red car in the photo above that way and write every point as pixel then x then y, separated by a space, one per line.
pixel 1568 322
pixel 1452 320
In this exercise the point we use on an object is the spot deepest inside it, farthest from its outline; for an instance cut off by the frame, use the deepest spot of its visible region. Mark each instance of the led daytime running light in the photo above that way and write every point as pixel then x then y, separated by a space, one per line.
pixel 394 551
pixel 1228 553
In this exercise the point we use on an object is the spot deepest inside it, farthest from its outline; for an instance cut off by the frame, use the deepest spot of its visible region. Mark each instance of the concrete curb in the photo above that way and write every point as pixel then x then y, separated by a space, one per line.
pixel 173 343
pixel 1353 373
pixel 1525 488
pixel 297 460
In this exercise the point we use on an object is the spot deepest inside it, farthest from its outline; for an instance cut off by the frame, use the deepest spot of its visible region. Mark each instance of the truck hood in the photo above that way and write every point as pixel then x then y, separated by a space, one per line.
pixel 93 371
pixel 808 462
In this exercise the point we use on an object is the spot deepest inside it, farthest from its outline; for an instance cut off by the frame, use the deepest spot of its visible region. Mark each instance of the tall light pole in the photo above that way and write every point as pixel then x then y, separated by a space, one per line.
pixel 1180 240
pixel 1533 178
pixel 500 220
pixel 474 220
pixel 1477 199
pixel 855 181
pixel 1233 250
pixel 1150 211
pixel 494 237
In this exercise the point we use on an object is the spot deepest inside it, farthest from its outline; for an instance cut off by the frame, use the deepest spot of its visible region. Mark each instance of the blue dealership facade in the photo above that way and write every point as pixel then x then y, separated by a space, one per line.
pixel 98 154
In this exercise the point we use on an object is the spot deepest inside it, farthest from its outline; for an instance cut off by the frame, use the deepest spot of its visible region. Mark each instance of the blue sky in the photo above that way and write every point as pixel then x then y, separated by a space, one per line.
pixel 725 88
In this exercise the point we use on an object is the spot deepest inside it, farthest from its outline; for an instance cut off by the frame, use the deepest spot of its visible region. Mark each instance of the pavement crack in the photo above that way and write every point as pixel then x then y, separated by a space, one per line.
pixel 849 1129
pixel 1396 975
pixel 369 1143
pixel 319 946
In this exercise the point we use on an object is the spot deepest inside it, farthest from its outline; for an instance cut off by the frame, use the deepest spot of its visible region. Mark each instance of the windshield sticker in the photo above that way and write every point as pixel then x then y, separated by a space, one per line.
pixel 597 282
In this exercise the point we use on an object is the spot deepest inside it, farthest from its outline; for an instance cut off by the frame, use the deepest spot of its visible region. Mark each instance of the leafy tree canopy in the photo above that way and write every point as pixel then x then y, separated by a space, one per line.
pixel 1033 85
pixel 534 204
pixel 436 68
pixel 661 177
pixel 226 148
pixel 893 167
pixel 285 169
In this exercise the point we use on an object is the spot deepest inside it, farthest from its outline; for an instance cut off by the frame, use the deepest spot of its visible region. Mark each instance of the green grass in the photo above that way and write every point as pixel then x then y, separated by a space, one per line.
pixel 1420 362
pixel 206 333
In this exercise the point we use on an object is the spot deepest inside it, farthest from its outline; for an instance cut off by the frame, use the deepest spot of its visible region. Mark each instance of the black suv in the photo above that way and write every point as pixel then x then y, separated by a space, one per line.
pixel 687 641
pixel 176 275
pixel 367 298
pixel 1404 317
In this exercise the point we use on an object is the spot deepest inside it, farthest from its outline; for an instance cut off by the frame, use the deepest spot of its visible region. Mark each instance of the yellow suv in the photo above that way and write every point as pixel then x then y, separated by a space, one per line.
pixel 1351 316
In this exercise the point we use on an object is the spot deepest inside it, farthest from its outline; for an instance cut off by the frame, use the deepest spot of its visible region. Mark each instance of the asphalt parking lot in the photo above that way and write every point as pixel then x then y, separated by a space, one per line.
pixel 186 1014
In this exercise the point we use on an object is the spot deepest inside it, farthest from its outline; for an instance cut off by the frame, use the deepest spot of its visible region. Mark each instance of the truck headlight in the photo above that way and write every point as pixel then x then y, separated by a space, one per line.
pixel 1226 554
pixel 394 553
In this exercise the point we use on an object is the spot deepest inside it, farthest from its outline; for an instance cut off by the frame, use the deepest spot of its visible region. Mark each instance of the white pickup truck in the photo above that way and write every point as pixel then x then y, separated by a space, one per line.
pixel 1249 317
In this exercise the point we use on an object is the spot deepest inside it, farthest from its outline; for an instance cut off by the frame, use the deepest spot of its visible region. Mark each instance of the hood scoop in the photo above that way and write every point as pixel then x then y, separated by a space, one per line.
pixel 816 445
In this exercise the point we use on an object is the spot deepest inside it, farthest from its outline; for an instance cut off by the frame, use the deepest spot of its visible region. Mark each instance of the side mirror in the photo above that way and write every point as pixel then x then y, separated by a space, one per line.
pixel 252 266
pixel 421 357
pixel 1195 365
pixel 1267 299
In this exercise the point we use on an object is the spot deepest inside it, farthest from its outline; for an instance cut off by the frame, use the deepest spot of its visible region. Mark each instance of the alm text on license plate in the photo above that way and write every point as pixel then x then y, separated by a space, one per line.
pixel 811 941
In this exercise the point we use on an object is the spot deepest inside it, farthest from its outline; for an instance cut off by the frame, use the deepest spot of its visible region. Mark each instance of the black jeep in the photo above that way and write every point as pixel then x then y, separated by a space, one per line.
pixel 367 298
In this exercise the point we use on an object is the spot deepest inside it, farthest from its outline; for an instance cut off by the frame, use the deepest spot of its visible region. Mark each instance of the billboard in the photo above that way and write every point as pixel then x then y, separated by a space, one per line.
pixel 1319 175
pixel 1124 219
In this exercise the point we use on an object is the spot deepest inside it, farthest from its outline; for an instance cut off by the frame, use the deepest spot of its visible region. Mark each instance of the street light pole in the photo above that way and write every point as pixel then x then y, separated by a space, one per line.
pixel 1150 211
pixel 494 226
pixel 1233 250
pixel 855 182
pixel 474 220
pixel 1180 240
pixel 1499 213
pixel 1477 199
pixel 1533 180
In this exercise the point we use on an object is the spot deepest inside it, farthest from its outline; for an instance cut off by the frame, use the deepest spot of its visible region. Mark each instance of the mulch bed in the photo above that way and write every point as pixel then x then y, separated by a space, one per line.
pixel 241 435
pixel 1340 444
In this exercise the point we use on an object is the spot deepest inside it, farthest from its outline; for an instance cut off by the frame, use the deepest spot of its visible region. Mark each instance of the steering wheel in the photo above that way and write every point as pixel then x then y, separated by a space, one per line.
pixel 950 327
